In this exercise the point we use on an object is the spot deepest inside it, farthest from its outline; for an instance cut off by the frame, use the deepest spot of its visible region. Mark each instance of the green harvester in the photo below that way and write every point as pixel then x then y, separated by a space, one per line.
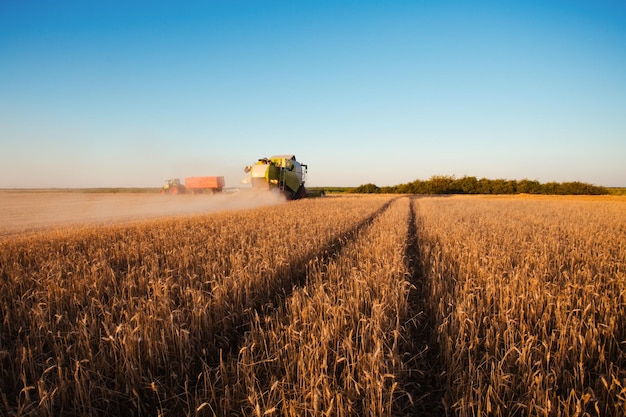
pixel 282 172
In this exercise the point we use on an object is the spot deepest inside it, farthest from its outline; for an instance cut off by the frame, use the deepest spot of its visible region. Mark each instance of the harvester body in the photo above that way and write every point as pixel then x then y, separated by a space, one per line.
pixel 281 172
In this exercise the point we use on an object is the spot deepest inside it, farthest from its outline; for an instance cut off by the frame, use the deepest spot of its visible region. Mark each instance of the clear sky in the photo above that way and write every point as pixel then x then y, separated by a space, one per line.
pixel 130 93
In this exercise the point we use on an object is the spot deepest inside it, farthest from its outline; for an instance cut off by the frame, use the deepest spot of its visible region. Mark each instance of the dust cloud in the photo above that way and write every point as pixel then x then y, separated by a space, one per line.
pixel 22 211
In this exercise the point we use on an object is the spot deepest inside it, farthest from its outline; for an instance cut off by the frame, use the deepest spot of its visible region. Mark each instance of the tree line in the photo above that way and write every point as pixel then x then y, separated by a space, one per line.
pixel 471 185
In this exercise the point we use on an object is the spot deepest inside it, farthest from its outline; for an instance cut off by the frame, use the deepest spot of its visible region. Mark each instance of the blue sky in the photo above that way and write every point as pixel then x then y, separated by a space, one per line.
pixel 130 93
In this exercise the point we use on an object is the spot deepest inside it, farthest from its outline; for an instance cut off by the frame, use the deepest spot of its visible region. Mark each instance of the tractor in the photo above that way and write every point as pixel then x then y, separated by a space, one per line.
pixel 173 186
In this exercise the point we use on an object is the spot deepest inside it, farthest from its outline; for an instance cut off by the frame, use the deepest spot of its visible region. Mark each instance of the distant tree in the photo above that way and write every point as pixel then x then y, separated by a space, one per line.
pixel 528 187
pixel 403 189
pixel 393 189
pixel 440 184
pixel 484 186
pixel 367 189
pixel 550 188
pixel 502 186
pixel 417 187
pixel 580 188
pixel 467 185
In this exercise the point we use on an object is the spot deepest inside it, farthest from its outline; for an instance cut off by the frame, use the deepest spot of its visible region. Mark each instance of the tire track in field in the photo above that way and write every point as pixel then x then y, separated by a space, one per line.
pixel 281 320
pixel 218 366
pixel 294 274
pixel 425 380
pixel 333 247
pixel 289 278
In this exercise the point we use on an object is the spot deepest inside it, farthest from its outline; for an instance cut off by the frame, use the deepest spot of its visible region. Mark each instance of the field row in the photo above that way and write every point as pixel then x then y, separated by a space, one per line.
pixel 529 295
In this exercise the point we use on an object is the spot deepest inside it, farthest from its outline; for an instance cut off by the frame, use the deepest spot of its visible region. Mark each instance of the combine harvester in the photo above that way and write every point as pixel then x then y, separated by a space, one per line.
pixel 280 172
pixel 194 185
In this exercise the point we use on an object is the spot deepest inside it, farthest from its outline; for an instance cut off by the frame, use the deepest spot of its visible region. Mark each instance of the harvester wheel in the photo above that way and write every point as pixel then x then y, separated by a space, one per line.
pixel 174 190
pixel 289 195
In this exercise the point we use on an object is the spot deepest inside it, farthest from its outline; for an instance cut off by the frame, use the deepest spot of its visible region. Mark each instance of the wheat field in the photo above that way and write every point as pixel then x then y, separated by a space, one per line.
pixel 341 306
pixel 529 295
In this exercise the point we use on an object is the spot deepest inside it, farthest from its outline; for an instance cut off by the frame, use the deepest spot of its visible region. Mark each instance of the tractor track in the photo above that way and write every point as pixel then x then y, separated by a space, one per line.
pixel 293 277
pixel 295 273
pixel 289 278
pixel 424 380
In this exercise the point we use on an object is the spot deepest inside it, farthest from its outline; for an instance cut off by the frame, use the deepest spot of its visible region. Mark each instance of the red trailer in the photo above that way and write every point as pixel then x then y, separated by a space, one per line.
pixel 198 185
pixel 195 185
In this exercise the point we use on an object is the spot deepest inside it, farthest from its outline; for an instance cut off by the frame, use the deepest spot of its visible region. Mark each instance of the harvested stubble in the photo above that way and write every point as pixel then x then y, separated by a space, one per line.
pixel 335 348
pixel 530 296
pixel 137 319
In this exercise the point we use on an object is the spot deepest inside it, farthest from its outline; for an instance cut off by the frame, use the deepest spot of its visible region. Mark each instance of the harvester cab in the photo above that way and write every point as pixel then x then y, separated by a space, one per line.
pixel 282 172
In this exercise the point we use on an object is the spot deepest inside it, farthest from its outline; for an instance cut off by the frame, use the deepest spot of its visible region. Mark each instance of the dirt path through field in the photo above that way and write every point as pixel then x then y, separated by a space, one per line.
pixel 25 211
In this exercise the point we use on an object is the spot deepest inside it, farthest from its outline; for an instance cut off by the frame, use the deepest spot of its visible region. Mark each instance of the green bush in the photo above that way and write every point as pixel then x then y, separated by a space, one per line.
pixel 441 184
